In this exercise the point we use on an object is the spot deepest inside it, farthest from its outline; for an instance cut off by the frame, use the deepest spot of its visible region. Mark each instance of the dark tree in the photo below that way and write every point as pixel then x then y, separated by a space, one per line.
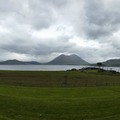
pixel 99 64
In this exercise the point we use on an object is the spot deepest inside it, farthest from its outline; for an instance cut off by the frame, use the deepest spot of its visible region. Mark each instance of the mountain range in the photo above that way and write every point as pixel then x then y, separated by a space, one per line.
pixel 62 60
pixel 17 62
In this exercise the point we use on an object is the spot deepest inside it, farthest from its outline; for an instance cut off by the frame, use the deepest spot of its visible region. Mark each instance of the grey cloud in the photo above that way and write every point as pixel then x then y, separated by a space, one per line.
pixel 89 20
pixel 101 20
pixel 25 45
pixel 38 14
pixel 43 14
pixel 5 6
pixel 116 44
pixel 10 6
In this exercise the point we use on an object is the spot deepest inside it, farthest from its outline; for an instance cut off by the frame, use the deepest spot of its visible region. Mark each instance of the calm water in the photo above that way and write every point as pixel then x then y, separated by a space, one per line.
pixel 47 67
pixel 39 67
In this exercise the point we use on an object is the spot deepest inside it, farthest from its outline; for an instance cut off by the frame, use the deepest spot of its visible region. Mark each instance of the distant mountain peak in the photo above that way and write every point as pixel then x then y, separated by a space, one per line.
pixel 68 60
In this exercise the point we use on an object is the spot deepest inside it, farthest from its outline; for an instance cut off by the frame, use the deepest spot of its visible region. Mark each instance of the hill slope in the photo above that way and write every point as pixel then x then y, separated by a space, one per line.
pixel 68 60
pixel 112 62
pixel 17 62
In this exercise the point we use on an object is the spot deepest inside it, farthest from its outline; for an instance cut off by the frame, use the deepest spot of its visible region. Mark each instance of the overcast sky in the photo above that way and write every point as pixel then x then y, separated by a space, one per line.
pixel 43 29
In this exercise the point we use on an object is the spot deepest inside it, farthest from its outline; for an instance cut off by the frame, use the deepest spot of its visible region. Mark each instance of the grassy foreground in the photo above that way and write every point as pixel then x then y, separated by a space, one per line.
pixel 67 95
pixel 34 103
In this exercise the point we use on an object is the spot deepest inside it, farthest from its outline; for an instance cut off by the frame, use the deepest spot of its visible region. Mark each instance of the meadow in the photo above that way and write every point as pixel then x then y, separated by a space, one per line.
pixel 59 78
pixel 62 95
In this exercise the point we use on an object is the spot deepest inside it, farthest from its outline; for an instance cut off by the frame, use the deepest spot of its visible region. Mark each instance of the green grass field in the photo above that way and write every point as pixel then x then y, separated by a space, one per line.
pixel 70 95
pixel 34 103
pixel 58 78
